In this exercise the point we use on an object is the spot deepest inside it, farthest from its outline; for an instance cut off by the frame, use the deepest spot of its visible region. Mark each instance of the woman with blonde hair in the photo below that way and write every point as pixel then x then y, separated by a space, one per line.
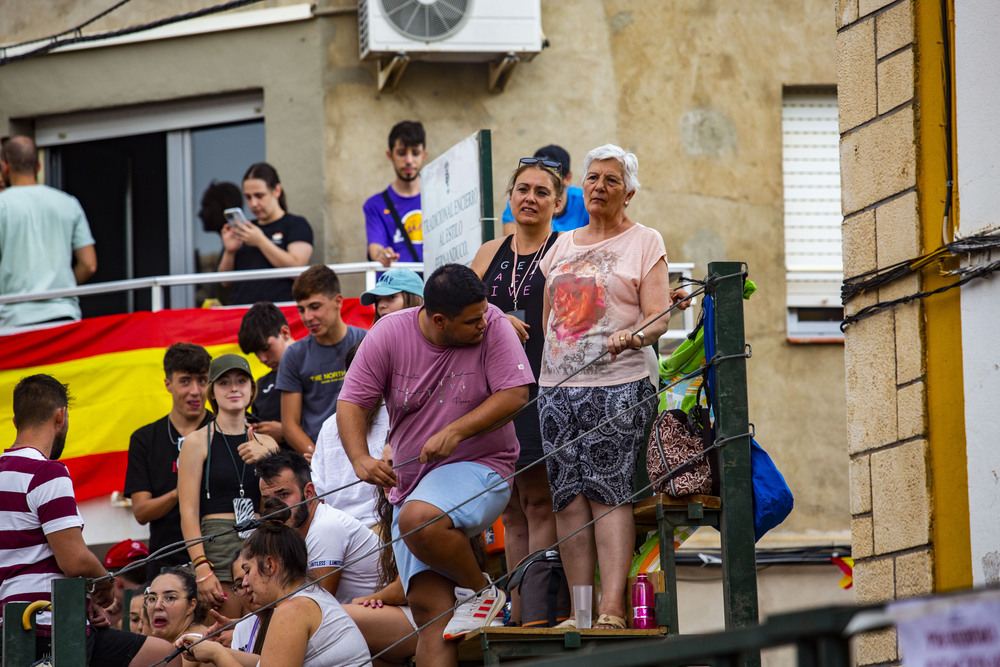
pixel 509 268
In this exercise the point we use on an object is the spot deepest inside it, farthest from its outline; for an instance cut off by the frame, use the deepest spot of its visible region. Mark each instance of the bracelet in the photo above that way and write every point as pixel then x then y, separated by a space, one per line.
pixel 642 338
pixel 205 578
pixel 201 560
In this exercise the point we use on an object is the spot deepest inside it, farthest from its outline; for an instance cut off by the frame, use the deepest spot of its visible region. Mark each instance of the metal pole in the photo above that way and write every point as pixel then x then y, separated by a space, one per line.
pixel 739 578
pixel 18 643
pixel 486 212
pixel 69 622
pixel 156 304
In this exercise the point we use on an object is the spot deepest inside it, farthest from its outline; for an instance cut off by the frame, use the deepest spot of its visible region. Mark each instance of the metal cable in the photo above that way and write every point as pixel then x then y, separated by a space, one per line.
pixel 177 547
pixel 55 41
pixel 78 28
pixel 668 475
pixel 681 468
pixel 504 480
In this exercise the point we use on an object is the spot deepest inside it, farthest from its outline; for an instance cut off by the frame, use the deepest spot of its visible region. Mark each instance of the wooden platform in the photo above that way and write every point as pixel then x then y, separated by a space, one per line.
pixel 488 646
pixel 645 510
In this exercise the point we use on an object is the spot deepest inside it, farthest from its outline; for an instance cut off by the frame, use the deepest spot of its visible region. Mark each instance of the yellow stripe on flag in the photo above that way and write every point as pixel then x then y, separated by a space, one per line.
pixel 113 395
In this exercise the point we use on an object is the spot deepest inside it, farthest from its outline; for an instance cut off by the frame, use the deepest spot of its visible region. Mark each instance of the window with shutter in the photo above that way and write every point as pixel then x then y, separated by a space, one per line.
pixel 811 170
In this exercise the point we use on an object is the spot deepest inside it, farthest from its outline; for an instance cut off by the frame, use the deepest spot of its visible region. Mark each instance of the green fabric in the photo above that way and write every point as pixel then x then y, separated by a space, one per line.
pixel 687 358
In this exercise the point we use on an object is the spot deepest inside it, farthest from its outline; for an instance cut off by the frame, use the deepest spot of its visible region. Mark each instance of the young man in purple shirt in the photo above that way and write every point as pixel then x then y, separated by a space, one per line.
pixel 393 217
pixel 449 373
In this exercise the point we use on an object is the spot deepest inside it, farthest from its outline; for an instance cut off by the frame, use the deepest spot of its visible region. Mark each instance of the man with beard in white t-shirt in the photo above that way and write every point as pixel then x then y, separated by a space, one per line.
pixel 342 551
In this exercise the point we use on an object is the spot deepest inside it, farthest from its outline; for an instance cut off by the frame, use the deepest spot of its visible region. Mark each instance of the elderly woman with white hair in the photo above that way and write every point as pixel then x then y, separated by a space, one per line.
pixel 606 284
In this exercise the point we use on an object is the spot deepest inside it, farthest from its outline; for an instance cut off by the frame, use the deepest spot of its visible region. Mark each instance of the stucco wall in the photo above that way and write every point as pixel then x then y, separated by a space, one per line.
pixel 694 88
pixel 23 20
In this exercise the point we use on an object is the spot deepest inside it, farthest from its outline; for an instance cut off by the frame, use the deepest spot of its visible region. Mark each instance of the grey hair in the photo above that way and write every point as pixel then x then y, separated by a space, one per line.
pixel 628 161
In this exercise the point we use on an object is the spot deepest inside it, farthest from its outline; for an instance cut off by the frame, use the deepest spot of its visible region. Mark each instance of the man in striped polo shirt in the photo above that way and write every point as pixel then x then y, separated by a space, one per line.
pixel 41 530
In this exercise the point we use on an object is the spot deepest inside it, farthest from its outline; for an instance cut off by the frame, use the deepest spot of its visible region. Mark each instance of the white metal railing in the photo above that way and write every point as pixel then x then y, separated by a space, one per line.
pixel 157 285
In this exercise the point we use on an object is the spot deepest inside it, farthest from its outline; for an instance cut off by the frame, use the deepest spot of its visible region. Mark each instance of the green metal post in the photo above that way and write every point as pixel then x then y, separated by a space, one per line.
pixel 666 602
pixel 18 643
pixel 486 211
pixel 739 578
pixel 69 622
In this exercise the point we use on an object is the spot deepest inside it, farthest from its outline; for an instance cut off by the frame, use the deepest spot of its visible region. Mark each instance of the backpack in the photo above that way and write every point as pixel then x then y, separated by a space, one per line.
pixel 542 584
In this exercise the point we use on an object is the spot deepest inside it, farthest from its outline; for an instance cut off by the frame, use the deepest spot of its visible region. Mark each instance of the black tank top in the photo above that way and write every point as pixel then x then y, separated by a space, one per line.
pixel 530 285
pixel 221 477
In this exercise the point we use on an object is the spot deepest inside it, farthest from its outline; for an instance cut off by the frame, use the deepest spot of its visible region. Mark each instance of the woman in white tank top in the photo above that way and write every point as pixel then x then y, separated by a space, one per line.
pixel 314 630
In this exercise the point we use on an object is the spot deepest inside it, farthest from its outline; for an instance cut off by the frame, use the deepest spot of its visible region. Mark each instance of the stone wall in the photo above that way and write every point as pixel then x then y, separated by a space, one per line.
pixel 884 354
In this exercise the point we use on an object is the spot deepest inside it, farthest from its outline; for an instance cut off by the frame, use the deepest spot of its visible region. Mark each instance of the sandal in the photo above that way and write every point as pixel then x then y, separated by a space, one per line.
pixel 568 624
pixel 609 622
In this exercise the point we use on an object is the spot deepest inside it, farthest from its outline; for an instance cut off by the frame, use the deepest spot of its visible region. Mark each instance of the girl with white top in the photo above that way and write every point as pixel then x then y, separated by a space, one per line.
pixel 315 630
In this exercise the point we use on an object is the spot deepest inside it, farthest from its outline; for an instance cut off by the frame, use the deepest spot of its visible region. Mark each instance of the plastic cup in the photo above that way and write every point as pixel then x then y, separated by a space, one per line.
pixel 583 601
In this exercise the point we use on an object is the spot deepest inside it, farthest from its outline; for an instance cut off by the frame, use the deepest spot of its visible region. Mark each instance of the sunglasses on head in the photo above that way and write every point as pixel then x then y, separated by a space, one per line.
pixel 552 164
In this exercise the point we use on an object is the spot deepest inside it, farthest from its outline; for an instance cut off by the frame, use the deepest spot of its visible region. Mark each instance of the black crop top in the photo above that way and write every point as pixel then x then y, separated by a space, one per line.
pixel 221 477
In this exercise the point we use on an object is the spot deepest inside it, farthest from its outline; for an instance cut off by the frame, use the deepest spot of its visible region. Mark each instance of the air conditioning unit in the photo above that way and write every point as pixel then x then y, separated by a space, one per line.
pixel 450 30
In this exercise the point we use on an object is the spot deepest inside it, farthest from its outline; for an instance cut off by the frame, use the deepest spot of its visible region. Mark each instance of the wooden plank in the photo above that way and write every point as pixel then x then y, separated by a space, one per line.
pixel 644 510
pixel 710 502
pixel 506 642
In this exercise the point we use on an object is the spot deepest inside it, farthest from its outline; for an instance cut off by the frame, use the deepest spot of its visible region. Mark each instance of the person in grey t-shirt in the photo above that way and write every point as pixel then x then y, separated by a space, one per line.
pixel 312 370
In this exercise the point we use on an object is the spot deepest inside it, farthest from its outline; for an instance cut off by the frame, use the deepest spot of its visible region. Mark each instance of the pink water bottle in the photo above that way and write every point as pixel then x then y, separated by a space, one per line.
pixel 643 615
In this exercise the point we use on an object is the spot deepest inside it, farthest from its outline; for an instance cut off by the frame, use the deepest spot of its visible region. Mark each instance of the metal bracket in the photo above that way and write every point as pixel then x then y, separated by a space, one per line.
pixel 500 72
pixel 392 71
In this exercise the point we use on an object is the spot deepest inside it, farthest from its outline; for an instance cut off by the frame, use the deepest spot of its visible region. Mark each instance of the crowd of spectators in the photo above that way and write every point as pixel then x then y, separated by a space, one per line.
pixel 357 439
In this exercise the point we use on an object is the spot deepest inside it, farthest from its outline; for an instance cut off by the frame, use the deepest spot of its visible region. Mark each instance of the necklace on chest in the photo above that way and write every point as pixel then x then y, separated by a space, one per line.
pixel 516 287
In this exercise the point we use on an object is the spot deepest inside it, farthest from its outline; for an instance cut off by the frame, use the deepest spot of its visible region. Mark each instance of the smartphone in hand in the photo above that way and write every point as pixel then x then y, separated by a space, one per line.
pixel 235 217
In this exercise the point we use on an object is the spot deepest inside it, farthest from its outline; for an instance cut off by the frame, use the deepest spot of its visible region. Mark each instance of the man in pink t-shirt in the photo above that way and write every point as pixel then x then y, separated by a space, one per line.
pixel 449 372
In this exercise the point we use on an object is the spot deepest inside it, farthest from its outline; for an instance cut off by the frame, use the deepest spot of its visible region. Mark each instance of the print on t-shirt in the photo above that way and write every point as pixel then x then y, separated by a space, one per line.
pixel 411 222
pixel 408 398
pixel 327 378
pixel 521 283
pixel 578 290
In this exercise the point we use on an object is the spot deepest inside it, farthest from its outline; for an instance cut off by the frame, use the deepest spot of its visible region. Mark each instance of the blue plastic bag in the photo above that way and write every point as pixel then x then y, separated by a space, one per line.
pixel 772 499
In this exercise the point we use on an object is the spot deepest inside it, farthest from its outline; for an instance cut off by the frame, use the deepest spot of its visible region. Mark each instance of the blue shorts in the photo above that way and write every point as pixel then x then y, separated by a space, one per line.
pixel 445 487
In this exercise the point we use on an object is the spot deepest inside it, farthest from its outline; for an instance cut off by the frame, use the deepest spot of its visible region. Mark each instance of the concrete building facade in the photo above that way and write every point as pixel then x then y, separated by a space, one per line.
pixel 695 89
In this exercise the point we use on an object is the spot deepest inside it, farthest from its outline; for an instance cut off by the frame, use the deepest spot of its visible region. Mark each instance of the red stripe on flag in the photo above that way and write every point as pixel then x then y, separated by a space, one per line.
pixel 100 474
pixel 97 474
pixel 136 331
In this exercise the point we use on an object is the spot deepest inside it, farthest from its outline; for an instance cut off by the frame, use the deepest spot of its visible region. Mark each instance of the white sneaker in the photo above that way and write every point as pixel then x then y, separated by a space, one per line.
pixel 475 610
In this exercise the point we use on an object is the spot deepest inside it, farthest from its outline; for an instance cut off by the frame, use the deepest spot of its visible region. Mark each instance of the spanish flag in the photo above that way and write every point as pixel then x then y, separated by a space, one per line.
pixel 114 368
pixel 846 565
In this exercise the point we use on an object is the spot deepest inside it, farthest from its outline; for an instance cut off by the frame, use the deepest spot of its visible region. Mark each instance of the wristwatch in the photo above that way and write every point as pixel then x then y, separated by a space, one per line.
pixel 642 338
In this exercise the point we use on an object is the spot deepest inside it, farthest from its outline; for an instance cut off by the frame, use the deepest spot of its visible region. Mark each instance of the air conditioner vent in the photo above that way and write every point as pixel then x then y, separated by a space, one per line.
pixel 426 20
